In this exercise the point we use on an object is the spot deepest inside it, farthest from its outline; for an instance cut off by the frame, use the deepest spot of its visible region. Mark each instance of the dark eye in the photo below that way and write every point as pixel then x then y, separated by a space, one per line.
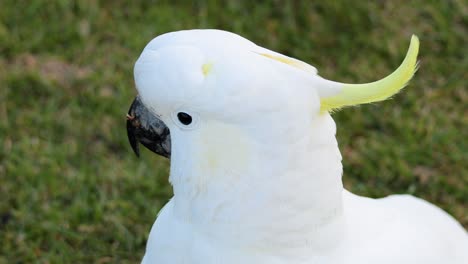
pixel 184 118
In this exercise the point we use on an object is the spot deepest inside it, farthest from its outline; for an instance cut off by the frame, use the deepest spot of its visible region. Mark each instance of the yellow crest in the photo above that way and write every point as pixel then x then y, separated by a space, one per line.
pixel 354 94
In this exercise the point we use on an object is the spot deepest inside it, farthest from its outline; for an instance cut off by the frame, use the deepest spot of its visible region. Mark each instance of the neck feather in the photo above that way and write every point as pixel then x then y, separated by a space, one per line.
pixel 282 194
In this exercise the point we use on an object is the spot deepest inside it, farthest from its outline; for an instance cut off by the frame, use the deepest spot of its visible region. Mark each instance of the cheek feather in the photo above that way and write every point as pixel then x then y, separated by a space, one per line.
pixel 223 146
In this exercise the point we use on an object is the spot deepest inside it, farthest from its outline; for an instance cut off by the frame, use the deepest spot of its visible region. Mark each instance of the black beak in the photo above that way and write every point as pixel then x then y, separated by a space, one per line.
pixel 146 128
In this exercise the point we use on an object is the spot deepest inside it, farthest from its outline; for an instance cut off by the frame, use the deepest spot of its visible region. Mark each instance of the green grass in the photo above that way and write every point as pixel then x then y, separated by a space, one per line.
pixel 72 190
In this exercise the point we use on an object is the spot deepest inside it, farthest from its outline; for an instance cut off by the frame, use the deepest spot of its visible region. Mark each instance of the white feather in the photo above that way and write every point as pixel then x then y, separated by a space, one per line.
pixel 257 179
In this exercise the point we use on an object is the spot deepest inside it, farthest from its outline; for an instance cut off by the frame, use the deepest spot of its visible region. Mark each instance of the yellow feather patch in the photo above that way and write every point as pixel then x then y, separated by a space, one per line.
pixel 206 68
pixel 295 63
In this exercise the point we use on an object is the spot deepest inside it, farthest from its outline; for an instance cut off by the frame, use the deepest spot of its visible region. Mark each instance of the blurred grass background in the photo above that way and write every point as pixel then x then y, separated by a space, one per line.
pixel 73 192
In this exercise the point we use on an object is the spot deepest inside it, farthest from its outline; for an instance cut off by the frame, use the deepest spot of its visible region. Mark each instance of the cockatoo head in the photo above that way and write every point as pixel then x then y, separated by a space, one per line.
pixel 209 86
pixel 189 78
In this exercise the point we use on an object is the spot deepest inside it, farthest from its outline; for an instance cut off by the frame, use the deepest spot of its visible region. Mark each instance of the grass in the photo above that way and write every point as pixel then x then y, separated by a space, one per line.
pixel 72 190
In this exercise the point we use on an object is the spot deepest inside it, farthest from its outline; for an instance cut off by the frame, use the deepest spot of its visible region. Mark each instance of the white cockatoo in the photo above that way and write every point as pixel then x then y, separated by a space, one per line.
pixel 255 165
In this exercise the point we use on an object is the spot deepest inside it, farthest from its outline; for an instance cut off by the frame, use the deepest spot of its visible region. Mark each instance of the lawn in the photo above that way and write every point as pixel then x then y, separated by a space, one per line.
pixel 71 189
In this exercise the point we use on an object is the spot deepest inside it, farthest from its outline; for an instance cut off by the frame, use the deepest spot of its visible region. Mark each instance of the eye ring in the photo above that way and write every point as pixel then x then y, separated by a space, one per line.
pixel 184 118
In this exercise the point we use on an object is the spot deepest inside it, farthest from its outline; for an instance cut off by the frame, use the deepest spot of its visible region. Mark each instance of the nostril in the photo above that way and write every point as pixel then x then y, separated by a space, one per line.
pixel 130 117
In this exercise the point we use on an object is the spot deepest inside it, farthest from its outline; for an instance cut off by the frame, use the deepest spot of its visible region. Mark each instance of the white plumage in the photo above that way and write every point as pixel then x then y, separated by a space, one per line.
pixel 257 173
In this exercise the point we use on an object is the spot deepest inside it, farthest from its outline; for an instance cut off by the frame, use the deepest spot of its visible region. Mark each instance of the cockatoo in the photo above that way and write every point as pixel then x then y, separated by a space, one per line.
pixel 255 165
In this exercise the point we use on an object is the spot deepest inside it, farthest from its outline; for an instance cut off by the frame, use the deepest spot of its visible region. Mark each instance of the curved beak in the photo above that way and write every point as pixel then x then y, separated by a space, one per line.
pixel 146 128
